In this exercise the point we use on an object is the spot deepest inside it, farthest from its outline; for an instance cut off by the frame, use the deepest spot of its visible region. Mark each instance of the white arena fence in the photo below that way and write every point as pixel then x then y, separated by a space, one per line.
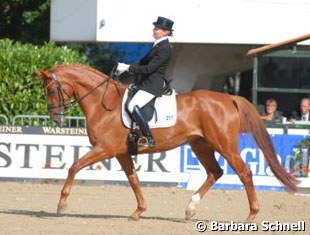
pixel 4 120
pixel 44 120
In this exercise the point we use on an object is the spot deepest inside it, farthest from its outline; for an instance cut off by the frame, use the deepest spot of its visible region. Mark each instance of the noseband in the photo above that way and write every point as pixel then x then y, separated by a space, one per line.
pixel 61 100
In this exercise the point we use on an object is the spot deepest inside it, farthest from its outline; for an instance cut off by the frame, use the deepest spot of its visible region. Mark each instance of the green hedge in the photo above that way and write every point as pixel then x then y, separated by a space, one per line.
pixel 21 91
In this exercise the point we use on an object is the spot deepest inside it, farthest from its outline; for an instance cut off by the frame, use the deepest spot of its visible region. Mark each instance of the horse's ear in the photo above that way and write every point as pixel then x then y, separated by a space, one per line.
pixel 42 74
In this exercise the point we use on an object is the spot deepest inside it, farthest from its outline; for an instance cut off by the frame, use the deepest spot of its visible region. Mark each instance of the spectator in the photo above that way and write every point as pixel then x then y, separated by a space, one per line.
pixel 304 114
pixel 271 113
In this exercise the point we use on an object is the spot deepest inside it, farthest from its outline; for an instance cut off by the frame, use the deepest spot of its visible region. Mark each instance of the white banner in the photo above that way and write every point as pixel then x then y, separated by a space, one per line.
pixel 50 156
pixel 48 153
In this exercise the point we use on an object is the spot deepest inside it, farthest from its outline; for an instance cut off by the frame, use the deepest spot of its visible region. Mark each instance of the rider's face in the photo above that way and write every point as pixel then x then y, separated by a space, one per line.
pixel 159 33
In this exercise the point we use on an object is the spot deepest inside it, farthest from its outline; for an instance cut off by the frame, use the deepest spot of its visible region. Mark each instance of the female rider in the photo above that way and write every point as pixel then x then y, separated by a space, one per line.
pixel 151 68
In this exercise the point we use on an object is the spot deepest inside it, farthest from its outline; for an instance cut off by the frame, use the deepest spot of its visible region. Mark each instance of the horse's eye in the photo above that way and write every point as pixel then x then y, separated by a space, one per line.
pixel 51 92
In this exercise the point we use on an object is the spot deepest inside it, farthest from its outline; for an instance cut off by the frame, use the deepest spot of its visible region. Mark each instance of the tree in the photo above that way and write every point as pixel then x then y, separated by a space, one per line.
pixel 25 20
pixel 28 21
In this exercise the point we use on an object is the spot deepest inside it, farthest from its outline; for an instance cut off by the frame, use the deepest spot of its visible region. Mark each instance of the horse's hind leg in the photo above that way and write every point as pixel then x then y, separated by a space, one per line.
pixel 128 167
pixel 245 175
pixel 205 155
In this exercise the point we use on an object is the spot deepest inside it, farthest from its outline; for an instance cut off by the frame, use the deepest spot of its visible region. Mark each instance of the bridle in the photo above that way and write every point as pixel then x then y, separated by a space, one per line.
pixel 61 93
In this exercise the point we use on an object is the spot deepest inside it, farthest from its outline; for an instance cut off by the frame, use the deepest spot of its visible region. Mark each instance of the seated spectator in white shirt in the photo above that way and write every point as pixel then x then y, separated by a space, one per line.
pixel 304 108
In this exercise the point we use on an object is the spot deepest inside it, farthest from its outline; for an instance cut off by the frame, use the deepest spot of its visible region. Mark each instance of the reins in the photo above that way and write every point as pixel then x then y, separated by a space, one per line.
pixel 117 88
pixel 61 91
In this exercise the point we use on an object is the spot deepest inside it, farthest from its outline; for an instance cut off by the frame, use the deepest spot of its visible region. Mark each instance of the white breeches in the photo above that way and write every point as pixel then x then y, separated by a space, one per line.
pixel 141 98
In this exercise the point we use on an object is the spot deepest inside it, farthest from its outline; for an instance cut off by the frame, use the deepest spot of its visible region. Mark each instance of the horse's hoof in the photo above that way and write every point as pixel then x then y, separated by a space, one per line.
pixel 134 217
pixel 136 214
pixel 250 218
pixel 189 213
pixel 61 208
pixel 190 210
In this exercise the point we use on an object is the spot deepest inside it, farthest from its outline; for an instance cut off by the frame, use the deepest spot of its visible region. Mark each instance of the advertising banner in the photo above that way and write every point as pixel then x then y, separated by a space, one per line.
pixel 48 153
pixel 286 147
pixel 34 152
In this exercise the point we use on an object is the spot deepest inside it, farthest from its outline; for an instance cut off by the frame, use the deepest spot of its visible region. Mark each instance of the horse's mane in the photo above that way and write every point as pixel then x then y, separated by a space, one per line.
pixel 86 67
pixel 81 66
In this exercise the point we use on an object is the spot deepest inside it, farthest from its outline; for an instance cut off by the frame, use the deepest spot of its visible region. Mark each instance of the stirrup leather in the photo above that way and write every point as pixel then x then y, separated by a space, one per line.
pixel 147 140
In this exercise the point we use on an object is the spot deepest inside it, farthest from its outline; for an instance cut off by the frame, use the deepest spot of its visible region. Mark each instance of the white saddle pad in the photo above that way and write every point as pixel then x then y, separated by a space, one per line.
pixel 166 108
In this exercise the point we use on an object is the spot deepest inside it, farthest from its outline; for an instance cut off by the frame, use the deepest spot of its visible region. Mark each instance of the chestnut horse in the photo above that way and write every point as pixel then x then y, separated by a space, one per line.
pixel 208 121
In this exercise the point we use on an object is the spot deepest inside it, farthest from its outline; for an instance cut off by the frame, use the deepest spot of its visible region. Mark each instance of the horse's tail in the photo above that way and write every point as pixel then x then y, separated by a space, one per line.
pixel 250 122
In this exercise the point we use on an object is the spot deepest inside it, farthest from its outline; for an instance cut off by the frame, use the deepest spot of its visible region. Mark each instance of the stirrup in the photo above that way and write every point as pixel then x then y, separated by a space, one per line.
pixel 145 142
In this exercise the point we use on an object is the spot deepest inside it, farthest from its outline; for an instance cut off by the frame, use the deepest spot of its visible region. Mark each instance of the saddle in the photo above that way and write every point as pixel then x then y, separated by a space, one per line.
pixel 160 112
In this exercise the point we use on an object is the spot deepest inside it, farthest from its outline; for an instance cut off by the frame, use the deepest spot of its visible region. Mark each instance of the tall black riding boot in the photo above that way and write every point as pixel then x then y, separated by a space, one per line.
pixel 144 126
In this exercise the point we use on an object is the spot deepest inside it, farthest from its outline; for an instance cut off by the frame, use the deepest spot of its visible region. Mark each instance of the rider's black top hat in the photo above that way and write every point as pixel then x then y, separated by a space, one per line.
pixel 163 23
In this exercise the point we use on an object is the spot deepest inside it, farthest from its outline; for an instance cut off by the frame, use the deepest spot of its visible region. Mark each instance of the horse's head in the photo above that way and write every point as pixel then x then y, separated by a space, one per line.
pixel 57 95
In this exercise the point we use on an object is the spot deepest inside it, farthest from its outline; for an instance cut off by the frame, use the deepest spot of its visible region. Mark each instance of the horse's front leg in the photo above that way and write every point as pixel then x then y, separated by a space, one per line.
pixel 95 155
pixel 128 166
